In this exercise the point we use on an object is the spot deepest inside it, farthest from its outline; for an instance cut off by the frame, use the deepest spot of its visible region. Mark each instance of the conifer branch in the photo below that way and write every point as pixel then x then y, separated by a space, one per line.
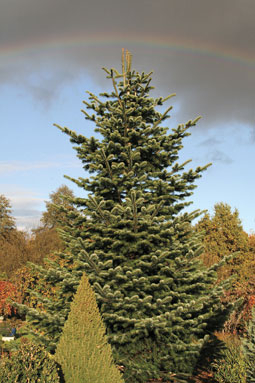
pixel 88 116
pixel 98 209
pixel 101 292
pixel 144 89
pixel 168 97
pixel 162 117
pixel 110 173
pixel 106 70
pixel 90 261
pixel 157 209
pixel 115 88
pixel 94 98
pixel 121 103
pixel 107 163
pixel 134 208
pixel 130 161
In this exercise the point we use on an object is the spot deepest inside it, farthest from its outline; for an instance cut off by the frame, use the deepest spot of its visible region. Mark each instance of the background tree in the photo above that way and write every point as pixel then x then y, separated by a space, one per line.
pixel 7 222
pixel 223 235
pixel 45 245
pixel 83 351
pixel 246 270
pixel 45 240
pixel 13 243
pixel 8 291
pixel 28 283
pixel 132 238
pixel 17 248
pixel 57 207
pixel 13 252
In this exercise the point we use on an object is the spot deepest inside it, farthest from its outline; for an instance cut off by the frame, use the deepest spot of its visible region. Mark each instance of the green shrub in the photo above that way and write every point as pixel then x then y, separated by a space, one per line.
pixel 83 352
pixel 231 367
pixel 29 364
pixel 5 329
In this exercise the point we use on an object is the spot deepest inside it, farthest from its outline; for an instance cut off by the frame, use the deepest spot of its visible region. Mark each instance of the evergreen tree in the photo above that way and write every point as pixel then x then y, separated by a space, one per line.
pixel 249 350
pixel 83 351
pixel 134 241
pixel 223 236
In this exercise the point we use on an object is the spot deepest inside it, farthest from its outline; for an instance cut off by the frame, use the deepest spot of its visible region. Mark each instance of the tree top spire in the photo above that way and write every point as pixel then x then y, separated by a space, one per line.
pixel 126 62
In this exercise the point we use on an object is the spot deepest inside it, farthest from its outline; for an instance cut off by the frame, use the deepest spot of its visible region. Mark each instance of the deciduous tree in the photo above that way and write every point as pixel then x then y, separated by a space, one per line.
pixel 57 207
pixel 7 222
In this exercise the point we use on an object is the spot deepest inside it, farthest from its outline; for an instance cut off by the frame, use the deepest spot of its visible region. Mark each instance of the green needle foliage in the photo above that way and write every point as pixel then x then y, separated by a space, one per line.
pixel 29 364
pixel 231 369
pixel 134 241
pixel 83 351
pixel 223 235
pixel 249 350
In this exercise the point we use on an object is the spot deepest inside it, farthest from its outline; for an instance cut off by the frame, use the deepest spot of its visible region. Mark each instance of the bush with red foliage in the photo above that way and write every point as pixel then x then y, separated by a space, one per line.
pixel 8 291
pixel 239 319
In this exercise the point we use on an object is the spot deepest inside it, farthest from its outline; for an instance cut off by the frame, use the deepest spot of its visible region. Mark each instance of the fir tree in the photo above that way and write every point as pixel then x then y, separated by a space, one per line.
pixel 83 351
pixel 133 239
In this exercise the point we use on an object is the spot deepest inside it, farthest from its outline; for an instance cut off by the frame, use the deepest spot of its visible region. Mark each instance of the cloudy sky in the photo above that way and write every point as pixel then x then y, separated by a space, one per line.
pixel 52 51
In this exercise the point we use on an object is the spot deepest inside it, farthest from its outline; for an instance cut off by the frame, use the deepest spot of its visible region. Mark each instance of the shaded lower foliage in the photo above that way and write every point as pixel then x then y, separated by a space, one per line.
pixel 232 366
pixel 249 349
pixel 29 364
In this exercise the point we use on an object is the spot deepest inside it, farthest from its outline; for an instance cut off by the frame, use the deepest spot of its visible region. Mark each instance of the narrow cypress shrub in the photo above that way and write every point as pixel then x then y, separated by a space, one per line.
pixel 83 351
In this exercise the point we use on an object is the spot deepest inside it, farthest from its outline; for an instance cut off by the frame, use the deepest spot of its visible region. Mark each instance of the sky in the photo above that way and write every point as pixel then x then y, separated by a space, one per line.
pixel 52 52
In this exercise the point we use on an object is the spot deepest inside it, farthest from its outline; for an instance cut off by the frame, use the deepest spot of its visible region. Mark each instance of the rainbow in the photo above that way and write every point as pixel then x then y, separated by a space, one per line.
pixel 109 40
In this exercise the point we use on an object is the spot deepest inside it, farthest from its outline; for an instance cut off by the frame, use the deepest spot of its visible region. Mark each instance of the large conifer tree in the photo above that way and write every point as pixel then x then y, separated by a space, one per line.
pixel 132 237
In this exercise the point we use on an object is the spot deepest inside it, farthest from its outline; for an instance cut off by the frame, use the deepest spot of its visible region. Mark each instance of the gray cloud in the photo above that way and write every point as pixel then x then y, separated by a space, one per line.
pixel 27 223
pixel 27 219
pixel 219 88
pixel 219 156
pixel 212 141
